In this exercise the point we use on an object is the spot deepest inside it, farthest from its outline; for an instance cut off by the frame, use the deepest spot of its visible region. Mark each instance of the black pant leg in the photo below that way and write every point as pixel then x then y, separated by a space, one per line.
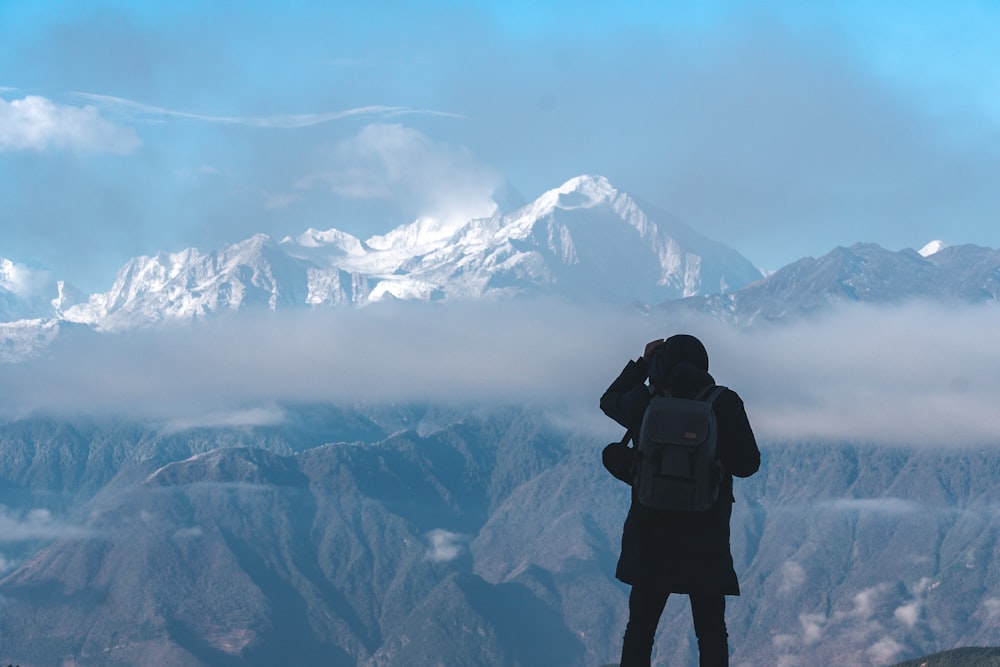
pixel 644 609
pixel 709 614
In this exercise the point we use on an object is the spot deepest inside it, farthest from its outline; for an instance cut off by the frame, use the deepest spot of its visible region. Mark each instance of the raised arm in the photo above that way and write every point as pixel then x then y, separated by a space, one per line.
pixel 737 444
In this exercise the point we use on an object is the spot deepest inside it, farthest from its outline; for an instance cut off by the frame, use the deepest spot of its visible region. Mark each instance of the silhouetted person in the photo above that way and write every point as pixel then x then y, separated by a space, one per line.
pixel 670 551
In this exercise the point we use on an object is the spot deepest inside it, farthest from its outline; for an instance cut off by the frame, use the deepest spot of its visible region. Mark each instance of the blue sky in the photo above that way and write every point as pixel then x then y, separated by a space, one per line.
pixel 782 129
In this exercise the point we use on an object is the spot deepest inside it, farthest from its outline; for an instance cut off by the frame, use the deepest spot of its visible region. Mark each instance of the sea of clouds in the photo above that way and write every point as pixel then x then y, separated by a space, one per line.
pixel 911 374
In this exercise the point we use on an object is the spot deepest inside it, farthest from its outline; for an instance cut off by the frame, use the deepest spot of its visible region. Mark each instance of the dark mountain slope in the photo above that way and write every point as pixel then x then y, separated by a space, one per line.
pixel 469 542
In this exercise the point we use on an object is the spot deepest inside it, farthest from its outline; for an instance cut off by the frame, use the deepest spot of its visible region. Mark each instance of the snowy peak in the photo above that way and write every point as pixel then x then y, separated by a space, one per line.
pixel 596 192
pixel 579 192
pixel 584 239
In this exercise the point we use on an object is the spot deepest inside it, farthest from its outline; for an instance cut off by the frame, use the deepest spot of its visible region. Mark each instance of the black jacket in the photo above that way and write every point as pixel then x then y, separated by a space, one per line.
pixel 681 552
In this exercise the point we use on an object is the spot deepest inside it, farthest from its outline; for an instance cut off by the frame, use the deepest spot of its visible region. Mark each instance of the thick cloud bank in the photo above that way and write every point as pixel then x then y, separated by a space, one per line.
pixel 924 374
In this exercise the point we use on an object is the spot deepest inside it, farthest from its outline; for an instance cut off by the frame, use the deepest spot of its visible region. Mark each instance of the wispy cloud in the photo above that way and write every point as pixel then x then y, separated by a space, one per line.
pixel 240 418
pixel 444 546
pixel 151 112
pixel 793 576
pixel 35 123
pixel 23 280
pixel 35 524
pixel 812 627
pixel 991 606
pixel 394 162
pixel 909 613
pixel 188 533
pixel 867 630
pixel 885 650
pixel 857 628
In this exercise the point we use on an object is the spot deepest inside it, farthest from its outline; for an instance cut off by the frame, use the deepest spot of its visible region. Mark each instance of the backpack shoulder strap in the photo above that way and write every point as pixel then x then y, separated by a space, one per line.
pixel 710 393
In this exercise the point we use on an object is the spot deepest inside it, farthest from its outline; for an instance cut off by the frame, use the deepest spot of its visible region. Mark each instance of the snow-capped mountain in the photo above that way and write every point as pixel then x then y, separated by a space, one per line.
pixel 585 240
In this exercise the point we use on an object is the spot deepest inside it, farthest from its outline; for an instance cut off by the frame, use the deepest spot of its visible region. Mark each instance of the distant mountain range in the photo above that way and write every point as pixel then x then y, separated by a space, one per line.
pixel 584 241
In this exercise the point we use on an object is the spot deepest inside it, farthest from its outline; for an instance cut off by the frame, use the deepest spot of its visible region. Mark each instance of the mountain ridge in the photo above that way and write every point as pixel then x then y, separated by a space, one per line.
pixel 860 273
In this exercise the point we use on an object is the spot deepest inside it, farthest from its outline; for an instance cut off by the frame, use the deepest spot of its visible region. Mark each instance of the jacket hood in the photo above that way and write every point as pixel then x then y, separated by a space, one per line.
pixel 680 366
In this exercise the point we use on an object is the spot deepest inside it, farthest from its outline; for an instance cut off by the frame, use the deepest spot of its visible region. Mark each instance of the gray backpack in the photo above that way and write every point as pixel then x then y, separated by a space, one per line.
pixel 678 467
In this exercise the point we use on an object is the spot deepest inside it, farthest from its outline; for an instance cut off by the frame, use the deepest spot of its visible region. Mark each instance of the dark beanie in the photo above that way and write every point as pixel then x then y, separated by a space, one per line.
pixel 677 350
